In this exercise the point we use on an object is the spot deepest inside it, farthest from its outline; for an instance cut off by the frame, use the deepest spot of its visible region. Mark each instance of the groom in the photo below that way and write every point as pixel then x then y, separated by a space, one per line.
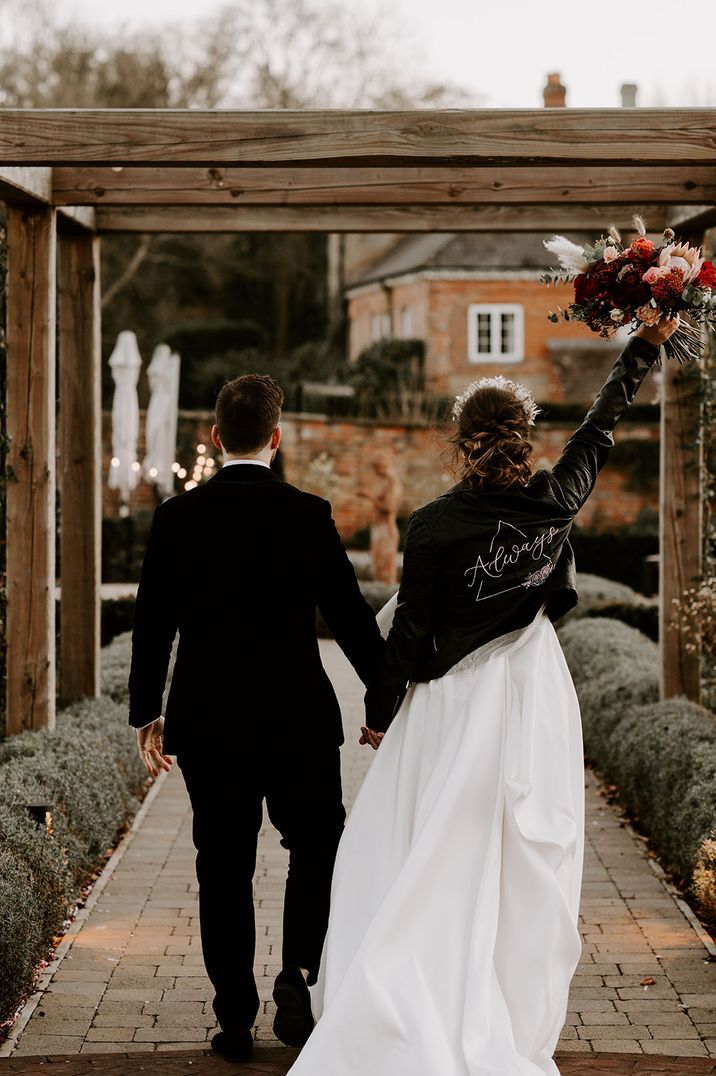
pixel 237 566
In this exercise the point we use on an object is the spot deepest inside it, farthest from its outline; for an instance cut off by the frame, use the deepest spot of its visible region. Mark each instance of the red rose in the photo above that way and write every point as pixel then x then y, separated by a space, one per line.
pixel 606 272
pixel 641 249
pixel 586 287
pixel 707 276
pixel 631 289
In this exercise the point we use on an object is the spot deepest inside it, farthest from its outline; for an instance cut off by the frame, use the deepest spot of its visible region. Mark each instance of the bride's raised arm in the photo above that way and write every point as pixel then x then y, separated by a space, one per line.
pixel 587 450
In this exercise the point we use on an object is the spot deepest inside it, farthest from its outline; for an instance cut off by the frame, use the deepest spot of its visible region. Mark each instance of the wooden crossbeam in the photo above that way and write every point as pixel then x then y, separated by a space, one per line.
pixel 692 220
pixel 212 138
pixel 409 218
pixel 30 489
pixel 478 185
pixel 80 464
pixel 78 218
pixel 25 186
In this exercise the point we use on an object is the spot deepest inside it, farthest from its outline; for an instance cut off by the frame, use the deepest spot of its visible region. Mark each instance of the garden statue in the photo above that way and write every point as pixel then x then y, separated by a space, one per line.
pixel 384 534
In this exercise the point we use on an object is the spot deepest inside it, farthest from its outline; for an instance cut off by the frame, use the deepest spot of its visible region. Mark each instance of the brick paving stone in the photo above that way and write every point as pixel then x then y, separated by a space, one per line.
pixel 135 968
pixel 49 1044
pixel 611 1046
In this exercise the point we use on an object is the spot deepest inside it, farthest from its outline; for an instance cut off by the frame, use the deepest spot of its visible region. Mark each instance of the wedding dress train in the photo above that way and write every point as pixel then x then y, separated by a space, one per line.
pixel 453 933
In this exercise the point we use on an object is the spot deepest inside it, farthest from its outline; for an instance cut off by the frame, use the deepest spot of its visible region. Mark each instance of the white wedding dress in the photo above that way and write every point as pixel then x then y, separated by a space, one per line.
pixel 453 931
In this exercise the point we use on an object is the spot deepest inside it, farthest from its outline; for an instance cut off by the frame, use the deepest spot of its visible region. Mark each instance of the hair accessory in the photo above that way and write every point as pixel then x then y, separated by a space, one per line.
pixel 520 393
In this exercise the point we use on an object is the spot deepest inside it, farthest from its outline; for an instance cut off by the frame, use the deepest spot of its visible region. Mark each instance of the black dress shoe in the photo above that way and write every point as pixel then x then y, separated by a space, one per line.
pixel 294 1020
pixel 236 1046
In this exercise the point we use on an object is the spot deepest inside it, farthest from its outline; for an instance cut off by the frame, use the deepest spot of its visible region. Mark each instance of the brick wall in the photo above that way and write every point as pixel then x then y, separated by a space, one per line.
pixel 336 459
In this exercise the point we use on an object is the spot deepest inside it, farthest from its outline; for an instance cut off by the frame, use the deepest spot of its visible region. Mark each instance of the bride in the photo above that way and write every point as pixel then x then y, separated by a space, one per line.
pixel 453 931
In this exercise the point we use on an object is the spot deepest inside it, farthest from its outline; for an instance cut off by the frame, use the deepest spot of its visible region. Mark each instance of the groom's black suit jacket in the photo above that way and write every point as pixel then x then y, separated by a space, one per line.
pixel 237 566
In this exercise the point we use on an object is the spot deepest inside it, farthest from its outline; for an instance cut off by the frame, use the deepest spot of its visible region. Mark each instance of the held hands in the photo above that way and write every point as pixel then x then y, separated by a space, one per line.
pixel 150 741
pixel 370 736
pixel 658 334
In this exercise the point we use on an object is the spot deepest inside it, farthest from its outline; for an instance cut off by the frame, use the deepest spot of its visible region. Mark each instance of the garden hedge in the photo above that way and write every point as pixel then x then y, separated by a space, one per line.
pixel 88 770
pixel 660 755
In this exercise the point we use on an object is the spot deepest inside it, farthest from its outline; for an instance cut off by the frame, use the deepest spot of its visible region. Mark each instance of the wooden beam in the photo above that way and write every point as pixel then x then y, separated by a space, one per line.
pixel 407 218
pixel 31 469
pixel 78 218
pixel 211 138
pixel 25 186
pixel 529 185
pixel 692 220
pixel 681 518
pixel 80 465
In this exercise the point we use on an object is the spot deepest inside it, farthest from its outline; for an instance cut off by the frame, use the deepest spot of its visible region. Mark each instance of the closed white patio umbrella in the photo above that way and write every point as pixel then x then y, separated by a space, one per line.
pixel 161 432
pixel 124 470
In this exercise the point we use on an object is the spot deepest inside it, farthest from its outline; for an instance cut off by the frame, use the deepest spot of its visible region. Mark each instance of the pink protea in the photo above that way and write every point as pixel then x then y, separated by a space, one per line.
pixel 684 257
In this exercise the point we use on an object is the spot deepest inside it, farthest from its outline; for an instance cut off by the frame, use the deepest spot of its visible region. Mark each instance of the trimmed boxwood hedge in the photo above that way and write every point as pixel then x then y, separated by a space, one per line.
pixel 607 598
pixel 88 770
pixel 660 755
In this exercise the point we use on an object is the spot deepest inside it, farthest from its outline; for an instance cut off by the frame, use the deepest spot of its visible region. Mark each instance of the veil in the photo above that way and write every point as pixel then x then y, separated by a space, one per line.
pixel 385 617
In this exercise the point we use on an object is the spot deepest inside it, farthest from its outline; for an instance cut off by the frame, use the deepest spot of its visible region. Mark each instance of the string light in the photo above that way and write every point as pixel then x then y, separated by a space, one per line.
pixel 153 472
pixel 203 467
pixel 136 466
pixel 115 461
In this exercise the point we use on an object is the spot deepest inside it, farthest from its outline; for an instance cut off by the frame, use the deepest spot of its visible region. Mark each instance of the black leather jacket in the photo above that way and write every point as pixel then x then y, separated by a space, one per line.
pixel 480 564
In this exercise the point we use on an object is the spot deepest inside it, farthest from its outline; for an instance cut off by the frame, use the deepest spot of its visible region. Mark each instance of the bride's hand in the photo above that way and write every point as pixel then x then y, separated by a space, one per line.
pixel 370 736
pixel 659 333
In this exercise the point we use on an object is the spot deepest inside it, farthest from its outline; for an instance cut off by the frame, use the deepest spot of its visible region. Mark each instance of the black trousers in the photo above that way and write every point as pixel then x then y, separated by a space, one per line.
pixel 302 789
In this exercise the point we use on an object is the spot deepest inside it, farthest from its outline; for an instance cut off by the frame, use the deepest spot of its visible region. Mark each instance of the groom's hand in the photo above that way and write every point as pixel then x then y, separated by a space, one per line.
pixel 150 741
pixel 370 736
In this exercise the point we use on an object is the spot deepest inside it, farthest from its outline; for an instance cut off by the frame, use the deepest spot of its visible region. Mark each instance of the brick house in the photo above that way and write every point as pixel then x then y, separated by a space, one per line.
pixel 476 301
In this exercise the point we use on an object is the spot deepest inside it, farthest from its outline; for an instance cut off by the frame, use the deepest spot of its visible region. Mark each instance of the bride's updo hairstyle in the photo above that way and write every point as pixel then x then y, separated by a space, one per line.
pixel 491 441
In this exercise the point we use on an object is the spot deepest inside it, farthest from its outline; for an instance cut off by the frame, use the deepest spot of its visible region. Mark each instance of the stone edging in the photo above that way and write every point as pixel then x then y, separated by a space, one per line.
pixel 77 923
pixel 685 909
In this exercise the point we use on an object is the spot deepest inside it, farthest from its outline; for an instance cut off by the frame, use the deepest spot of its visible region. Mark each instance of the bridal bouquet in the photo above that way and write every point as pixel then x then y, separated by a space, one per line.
pixel 617 285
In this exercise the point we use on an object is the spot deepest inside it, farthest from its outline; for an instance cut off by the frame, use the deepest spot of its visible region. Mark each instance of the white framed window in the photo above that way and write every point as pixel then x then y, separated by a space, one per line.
pixel 380 327
pixel 406 322
pixel 495 332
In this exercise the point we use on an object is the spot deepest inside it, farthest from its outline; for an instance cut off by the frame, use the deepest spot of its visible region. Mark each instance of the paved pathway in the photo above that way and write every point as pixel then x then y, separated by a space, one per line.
pixel 132 979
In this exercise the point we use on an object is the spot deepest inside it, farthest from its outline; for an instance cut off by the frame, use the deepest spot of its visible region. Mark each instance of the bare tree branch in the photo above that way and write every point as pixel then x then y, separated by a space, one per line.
pixel 129 271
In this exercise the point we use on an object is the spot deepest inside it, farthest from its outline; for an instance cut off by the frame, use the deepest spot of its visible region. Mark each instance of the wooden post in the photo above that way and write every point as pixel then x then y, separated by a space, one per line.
pixel 30 465
pixel 681 515
pixel 80 464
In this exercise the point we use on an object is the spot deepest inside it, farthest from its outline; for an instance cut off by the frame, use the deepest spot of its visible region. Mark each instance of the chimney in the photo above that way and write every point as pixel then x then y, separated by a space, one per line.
pixel 555 94
pixel 628 92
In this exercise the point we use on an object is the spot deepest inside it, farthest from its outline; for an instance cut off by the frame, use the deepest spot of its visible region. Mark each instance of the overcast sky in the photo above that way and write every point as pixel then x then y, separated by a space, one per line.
pixel 502 49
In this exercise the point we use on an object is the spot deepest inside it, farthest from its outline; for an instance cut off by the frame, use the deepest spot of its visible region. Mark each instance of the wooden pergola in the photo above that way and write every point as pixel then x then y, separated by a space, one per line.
pixel 68 176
